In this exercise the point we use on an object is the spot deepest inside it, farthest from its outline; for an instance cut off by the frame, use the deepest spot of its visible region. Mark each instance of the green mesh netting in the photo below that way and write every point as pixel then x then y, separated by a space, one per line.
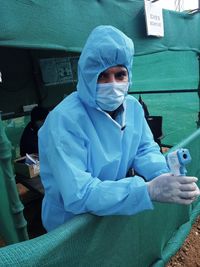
pixel 65 25
pixel 46 29
pixel 169 70
pixel 148 238
pixel 179 113
pixel 12 222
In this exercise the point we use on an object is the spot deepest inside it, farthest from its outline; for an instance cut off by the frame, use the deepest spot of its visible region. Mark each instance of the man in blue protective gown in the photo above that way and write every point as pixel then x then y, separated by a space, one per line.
pixel 95 135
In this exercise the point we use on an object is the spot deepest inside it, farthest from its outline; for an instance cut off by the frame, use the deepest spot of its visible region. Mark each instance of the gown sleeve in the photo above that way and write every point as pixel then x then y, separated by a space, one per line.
pixel 149 162
pixel 81 192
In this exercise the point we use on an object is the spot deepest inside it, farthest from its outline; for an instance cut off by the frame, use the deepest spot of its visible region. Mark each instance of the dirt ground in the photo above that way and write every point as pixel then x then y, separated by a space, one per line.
pixel 189 254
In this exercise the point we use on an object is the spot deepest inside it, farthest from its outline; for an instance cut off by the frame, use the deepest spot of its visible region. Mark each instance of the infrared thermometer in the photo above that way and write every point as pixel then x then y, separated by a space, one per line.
pixel 177 160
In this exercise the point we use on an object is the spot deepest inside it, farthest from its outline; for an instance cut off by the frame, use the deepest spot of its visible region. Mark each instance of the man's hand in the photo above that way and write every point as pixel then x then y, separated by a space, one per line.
pixel 174 189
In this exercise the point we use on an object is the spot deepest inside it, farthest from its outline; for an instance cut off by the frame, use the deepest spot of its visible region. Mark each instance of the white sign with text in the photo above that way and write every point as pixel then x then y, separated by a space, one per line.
pixel 154 18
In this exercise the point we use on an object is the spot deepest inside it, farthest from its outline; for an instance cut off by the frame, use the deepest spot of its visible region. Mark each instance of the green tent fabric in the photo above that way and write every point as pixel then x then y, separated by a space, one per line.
pixel 179 112
pixel 146 239
pixel 169 70
pixel 12 222
pixel 33 30
pixel 65 25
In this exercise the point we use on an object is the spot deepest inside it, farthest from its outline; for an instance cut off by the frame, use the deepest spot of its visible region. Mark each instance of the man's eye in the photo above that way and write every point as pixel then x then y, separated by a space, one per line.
pixel 121 75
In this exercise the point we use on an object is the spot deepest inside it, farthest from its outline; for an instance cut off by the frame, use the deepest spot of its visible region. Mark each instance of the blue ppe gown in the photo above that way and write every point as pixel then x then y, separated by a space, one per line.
pixel 85 154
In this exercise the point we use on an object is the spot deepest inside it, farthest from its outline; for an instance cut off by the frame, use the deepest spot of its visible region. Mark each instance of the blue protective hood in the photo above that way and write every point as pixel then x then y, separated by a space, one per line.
pixel 106 47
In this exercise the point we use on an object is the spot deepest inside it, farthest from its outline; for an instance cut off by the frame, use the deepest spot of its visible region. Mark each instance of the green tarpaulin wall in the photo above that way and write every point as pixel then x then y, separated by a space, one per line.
pixel 12 222
pixel 165 73
pixel 147 239
pixel 35 30
pixel 65 25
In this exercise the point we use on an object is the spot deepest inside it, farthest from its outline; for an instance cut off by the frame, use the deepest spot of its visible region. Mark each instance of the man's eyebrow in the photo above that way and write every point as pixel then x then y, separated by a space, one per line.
pixel 121 71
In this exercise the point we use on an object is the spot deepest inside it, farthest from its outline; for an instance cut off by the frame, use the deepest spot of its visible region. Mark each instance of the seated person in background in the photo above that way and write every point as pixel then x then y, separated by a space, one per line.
pixel 29 138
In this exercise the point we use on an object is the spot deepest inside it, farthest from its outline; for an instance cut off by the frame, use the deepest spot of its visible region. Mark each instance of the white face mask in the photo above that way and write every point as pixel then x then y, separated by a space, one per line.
pixel 111 95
